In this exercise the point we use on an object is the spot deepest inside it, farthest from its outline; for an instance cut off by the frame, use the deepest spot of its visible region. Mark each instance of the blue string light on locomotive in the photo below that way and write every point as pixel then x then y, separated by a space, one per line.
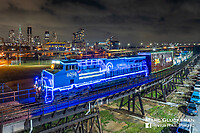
pixel 69 75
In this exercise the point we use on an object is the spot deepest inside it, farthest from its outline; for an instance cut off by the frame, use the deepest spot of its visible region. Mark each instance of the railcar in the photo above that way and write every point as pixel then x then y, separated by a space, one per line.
pixel 158 61
pixel 73 75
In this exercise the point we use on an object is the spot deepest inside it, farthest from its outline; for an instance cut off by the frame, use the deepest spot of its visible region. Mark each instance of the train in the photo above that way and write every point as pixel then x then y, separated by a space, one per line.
pixel 66 77
pixel 158 61
pixel 182 57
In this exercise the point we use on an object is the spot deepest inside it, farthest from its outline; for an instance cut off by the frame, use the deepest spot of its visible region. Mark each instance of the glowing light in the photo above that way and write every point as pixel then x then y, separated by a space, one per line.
pixel 90 76
pixel 87 73
pixel 104 69
pixel 52 66
pixel 168 59
pixel 55 62
pixel 157 61
pixel 51 89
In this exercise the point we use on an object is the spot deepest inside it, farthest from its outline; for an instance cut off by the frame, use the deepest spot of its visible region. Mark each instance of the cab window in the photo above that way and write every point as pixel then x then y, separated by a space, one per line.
pixel 56 66
pixel 71 67
pixel 76 67
pixel 67 68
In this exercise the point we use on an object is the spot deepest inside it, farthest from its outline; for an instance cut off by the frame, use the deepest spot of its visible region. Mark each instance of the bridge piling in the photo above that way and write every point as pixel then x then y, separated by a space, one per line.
pixel 132 100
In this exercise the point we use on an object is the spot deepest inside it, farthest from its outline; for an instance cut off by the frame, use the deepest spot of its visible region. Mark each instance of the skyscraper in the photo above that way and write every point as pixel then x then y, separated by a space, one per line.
pixel 46 36
pixel 20 36
pixel 29 35
pixel 11 36
pixel 78 36
pixel 54 37
pixel 78 39
pixel 36 41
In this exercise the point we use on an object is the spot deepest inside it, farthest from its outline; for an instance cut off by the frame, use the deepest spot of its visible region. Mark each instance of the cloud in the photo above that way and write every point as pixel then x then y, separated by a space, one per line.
pixel 130 20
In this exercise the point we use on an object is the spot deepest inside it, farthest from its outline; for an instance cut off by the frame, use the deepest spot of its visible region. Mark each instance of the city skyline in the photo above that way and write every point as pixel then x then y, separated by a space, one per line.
pixel 131 21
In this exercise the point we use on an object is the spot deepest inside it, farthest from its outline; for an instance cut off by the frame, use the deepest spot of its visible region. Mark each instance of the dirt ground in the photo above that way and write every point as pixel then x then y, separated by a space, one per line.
pixel 115 126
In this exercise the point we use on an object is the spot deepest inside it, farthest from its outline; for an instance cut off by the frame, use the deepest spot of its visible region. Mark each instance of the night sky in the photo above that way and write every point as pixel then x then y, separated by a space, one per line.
pixel 131 21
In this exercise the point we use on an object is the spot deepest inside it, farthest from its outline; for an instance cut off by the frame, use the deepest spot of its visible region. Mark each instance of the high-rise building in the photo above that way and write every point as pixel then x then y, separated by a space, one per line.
pixel 47 36
pixel 78 39
pixel 36 41
pixel 29 35
pixel 54 37
pixel 20 36
pixel 11 36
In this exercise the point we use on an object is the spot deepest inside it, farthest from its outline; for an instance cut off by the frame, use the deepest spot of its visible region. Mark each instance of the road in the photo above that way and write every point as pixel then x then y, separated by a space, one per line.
pixel 195 121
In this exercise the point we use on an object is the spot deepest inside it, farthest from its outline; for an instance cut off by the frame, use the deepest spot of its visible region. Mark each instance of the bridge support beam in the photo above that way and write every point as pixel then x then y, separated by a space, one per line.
pixel 78 123
pixel 160 91
pixel 131 101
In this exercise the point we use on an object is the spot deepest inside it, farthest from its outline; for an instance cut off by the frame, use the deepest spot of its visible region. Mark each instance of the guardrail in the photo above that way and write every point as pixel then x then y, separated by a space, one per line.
pixel 26 111
pixel 16 95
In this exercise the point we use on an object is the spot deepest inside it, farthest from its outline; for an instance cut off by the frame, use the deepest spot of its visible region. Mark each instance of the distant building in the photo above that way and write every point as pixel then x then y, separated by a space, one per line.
pixel 1 41
pixel 101 46
pixel 110 43
pixel 20 40
pixel 11 36
pixel 46 36
pixel 113 43
pixel 78 39
pixel 29 35
pixel 56 46
pixel 54 37
pixel 36 41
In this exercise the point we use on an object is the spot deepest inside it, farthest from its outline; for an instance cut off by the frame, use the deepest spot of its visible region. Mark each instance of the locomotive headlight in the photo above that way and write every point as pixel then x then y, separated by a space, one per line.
pixel 52 66
pixel 39 88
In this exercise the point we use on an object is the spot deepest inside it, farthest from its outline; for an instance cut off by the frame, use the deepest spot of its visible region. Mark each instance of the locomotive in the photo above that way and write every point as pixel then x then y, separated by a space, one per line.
pixel 66 75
